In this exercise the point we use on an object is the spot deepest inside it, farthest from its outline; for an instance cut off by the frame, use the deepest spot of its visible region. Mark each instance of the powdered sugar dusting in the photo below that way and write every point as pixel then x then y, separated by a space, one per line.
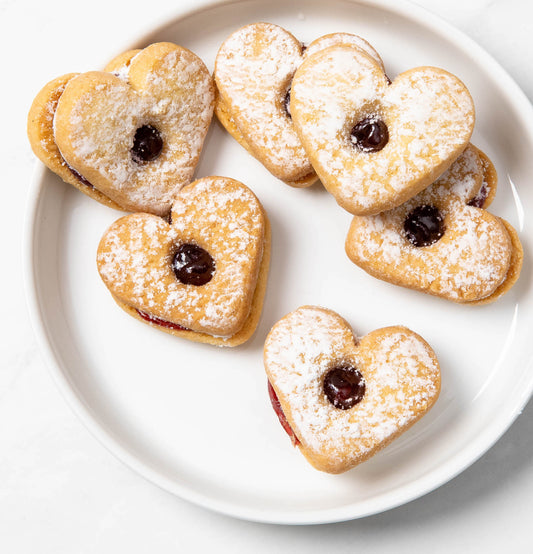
pixel 343 38
pixel 470 260
pixel 176 97
pixel 428 112
pixel 401 375
pixel 254 69
pixel 122 72
pixel 217 214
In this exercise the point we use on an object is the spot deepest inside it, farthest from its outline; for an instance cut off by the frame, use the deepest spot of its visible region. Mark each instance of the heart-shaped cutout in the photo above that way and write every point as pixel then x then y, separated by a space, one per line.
pixel 440 241
pixel 204 275
pixel 374 144
pixel 253 72
pixel 136 137
pixel 381 384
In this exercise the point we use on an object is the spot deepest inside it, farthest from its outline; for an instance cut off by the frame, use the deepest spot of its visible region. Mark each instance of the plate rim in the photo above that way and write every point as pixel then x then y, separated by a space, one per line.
pixel 424 484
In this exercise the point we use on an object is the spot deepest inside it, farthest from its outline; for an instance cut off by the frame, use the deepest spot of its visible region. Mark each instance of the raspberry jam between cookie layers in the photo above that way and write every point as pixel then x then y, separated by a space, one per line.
pixel 344 386
pixel 161 322
pixel 479 200
pixel 370 134
pixel 147 144
pixel 424 226
pixel 286 103
pixel 80 177
pixel 281 416
pixel 193 265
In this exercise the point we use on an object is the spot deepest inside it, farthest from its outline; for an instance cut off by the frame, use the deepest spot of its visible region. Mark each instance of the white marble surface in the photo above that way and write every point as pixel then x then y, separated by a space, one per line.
pixel 60 490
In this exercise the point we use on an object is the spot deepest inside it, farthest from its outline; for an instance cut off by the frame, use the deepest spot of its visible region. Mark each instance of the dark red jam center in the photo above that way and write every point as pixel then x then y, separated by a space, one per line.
pixel 424 226
pixel 479 200
pixel 281 416
pixel 344 386
pixel 287 103
pixel 160 322
pixel 147 144
pixel 193 265
pixel 370 134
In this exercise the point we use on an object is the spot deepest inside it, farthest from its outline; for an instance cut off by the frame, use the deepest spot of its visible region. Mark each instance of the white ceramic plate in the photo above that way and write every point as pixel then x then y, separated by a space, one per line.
pixel 133 386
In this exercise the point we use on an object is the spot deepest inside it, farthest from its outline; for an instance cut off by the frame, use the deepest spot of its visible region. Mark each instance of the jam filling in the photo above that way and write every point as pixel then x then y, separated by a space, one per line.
pixel 281 416
pixel 147 144
pixel 161 322
pixel 193 265
pixel 424 226
pixel 370 134
pixel 286 103
pixel 80 177
pixel 479 200
pixel 344 386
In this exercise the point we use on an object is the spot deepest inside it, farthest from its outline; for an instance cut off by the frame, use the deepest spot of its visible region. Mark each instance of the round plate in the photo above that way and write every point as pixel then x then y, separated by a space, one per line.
pixel 137 388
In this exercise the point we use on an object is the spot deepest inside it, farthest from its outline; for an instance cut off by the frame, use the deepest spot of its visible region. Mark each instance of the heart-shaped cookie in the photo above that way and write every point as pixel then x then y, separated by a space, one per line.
pixel 373 143
pixel 345 398
pixel 442 241
pixel 202 277
pixel 136 136
pixel 253 72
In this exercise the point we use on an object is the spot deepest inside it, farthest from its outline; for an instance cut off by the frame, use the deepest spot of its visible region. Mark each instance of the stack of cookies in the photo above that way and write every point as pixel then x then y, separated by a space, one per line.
pixel 395 154
pixel 192 259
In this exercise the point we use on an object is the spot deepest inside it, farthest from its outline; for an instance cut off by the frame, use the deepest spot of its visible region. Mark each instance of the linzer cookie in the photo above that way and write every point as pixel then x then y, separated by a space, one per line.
pixel 443 241
pixel 132 138
pixel 253 72
pixel 375 144
pixel 201 277
pixel 342 398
